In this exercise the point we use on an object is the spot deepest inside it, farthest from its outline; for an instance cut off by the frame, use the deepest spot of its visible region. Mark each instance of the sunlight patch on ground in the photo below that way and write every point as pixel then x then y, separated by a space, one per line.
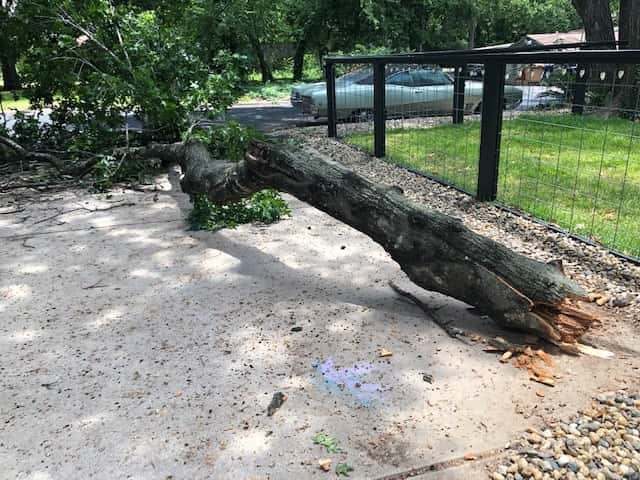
pixel 33 268
pixel 93 420
pixel 12 293
pixel 250 443
pixel 107 318
pixel 144 273
pixel 24 336
pixel 342 327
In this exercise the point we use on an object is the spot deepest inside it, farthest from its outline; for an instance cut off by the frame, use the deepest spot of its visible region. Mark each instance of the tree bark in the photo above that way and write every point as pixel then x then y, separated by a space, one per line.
pixel 10 75
pixel 623 20
pixel 628 32
pixel 265 70
pixel 598 27
pixel 436 251
pixel 596 19
pixel 298 59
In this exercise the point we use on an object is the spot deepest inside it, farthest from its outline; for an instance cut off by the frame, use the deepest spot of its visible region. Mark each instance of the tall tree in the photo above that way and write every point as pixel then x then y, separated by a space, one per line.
pixel 596 19
pixel 629 35
pixel 9 44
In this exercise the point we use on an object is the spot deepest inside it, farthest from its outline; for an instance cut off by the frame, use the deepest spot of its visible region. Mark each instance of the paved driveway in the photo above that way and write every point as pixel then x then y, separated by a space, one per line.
pixel 133 348
pixel 267 116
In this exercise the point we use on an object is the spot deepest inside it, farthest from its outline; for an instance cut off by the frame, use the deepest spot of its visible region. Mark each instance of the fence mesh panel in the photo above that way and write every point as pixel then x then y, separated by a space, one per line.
pixel 578 171
pixel 569 154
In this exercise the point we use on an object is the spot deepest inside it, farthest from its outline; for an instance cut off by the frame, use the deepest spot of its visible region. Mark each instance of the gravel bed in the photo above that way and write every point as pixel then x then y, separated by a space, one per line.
pixel 602 443
pixel 595 268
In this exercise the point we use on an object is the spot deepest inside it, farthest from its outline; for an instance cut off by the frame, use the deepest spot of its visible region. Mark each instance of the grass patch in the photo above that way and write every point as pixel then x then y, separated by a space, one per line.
pixel 14 100
pixel 277 90
pixel 280 88
pixel 579 172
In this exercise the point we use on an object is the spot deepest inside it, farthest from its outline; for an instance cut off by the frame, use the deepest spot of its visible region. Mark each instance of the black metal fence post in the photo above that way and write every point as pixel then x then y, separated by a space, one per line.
pixel 332 118
pixel 379 116
pixel 458 94
pixel 490 130
pixel 580 90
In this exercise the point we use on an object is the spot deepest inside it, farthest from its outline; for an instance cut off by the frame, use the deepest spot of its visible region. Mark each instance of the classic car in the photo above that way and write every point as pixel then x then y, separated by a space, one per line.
pixel 409 92
pixel 306 89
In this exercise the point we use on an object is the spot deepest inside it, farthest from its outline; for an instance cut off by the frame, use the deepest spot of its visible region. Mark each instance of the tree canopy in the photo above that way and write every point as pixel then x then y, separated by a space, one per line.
pixel 171 63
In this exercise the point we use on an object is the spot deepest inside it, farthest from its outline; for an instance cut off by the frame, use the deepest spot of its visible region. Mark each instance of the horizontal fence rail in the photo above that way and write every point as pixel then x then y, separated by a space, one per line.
pixel 552 134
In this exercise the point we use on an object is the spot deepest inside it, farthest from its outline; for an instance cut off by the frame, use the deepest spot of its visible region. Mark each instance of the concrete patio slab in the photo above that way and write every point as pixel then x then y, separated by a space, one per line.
pixel 131 347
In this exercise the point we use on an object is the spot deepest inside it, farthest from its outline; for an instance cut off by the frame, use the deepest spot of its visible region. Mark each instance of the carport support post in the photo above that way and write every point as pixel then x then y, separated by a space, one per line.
pixel 490 130
pixel 379 110
pixel 580 90
pixel 332 120
pixel 458 94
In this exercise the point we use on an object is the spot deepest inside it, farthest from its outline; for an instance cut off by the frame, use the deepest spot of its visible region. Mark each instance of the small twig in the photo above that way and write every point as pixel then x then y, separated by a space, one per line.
pixel 95 285
pixel 9 212
pixel 56 216
pixel 430 312
pixel 126 204
pixel 49 385
pixel 15 186
pixel 23 152
pixel 24 243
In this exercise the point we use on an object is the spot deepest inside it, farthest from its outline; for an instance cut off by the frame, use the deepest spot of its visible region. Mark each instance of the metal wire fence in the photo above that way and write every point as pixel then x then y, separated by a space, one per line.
pixel 554 135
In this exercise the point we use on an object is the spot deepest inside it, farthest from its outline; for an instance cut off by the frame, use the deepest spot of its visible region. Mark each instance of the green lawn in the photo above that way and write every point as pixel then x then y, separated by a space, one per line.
pixel 14 100
pixel 280 88
pixel 277 90
pixel 579 172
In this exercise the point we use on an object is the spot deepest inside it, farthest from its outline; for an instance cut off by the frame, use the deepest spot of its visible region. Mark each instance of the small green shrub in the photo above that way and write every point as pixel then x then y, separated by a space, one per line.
pixel 266 206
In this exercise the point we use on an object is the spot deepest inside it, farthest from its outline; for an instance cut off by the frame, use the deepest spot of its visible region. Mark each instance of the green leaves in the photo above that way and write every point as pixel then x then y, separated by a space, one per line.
pixel 326 441
pixel 266 206
pixel 343 469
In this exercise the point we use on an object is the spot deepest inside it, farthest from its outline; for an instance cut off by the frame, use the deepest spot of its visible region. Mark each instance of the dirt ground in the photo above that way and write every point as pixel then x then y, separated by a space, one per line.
pixel 133 348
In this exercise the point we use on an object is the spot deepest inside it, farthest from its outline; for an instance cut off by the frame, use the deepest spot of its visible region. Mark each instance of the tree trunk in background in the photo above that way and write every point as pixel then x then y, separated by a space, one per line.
pixel 298 59
pixel 473 24
pixel 629 32
pixel 596 18
pixel 623 21
pixel 598 27
pixel 10 74
pixel 265 70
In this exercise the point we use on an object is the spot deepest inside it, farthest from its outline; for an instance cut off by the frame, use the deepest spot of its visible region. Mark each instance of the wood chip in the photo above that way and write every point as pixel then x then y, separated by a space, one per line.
pixel 385 353
pixel 594 352
pixel 491 348
pixel 594 296
pixel 470 456
pixel 603 300
pixel 540 394
pixel 506 356
pixel 325 464
pixel 544 380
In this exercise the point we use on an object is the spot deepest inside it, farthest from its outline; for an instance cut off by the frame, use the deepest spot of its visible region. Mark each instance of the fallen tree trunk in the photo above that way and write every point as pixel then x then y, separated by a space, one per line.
pixel 436 251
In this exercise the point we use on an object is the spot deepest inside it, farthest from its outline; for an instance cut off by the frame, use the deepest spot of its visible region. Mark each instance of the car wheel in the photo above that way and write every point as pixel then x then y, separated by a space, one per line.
pixel 362 115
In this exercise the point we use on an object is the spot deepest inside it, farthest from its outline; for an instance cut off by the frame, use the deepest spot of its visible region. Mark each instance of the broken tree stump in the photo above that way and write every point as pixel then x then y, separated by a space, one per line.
pixel 436 251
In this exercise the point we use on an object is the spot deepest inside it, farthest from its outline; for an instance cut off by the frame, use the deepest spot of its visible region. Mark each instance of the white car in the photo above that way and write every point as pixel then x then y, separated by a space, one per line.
pixel 307 89
pixel 409 92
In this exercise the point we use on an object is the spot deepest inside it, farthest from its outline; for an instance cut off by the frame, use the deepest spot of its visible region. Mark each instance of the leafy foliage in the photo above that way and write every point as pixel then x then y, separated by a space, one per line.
pixel 326 441
pixel 103 66
pixel 343 469
pixel 228 141
pixel 266 206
